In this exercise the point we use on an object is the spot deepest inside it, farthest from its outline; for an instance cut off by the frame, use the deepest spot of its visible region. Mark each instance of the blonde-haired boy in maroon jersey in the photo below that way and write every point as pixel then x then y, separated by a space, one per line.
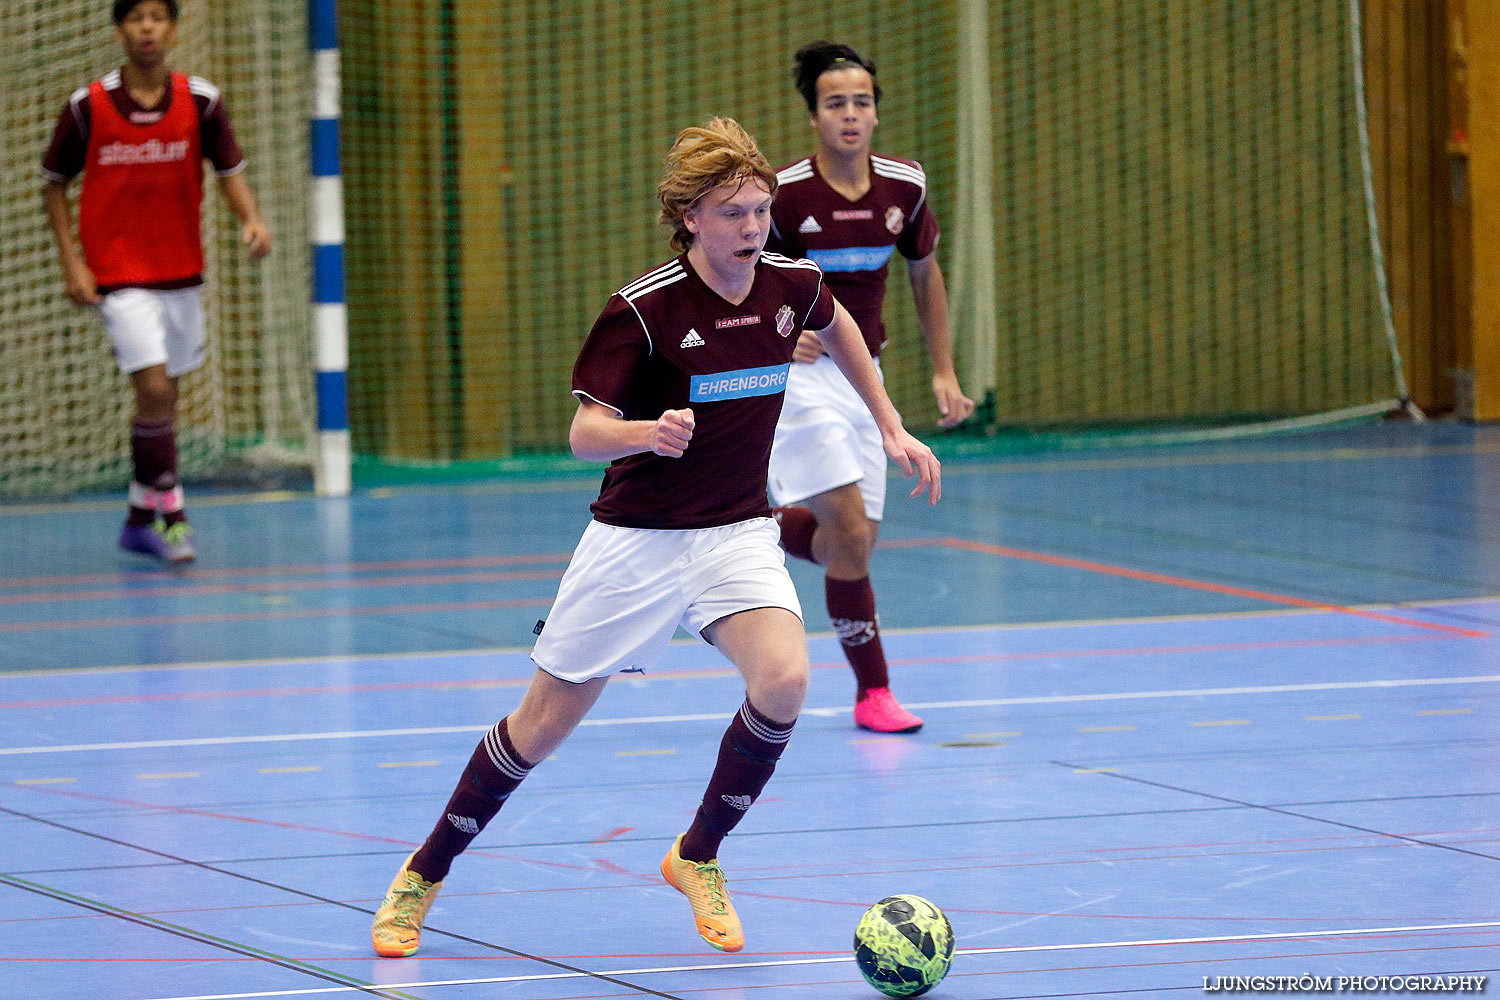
pixel 139 136
pixel 679 384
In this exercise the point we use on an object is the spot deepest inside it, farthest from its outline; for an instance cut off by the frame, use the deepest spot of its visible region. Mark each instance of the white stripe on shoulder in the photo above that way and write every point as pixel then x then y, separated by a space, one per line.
pixel 799 171
pixel 778 260
pixel 652 282
pixel 898 170
pixel 649 275
pixel 903 172
pixel 110 80
pixel 75 102
pixel 202 88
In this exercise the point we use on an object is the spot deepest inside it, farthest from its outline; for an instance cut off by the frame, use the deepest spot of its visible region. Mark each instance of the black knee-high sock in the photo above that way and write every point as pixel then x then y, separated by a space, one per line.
pixel 747 757
pixel 153 460
pixel 493 772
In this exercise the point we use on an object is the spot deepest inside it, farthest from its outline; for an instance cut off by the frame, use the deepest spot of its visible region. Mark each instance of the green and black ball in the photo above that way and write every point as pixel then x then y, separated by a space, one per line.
pixel 903 946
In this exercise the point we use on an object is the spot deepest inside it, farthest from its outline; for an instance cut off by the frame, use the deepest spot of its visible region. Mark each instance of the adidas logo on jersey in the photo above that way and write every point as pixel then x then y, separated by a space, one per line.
pixel 740 802
pixel 692 339
pixel 809 225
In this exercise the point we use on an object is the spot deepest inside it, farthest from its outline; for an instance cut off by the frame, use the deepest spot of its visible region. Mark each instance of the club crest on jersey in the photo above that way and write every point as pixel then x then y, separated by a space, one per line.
pixel 785 321
pixel 895 221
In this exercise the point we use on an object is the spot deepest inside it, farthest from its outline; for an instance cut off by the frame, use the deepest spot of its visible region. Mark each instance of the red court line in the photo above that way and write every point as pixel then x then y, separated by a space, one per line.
pixel 254 616
pixel 1173 581
pixel 187 588
pixel 230 572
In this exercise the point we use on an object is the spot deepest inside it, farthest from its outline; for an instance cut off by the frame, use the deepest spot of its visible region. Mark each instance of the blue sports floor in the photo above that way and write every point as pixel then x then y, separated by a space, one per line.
pixel 1211 711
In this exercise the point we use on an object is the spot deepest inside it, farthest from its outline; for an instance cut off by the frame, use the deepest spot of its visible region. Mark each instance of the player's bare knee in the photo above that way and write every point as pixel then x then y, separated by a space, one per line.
pixel 779 692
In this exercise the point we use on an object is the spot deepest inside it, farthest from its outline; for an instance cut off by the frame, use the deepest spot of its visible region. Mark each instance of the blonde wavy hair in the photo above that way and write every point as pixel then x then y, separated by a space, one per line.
pixel 705 157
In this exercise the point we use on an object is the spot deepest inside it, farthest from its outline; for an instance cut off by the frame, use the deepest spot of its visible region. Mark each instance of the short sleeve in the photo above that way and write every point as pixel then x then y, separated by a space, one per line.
pixel 820 315
pixel 219 143
pixel 68 150
pixel 611 355
pixel 920 237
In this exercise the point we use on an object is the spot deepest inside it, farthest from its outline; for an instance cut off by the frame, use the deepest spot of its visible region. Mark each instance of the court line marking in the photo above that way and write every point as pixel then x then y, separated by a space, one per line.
pixel 583 481
pixel 835 711
pixel 273 588
pixel 698 673
pixel 1188 583
pixel 1059 624
pixel 340 568
pixel 378 989
pixel 257 616
pixel 794 962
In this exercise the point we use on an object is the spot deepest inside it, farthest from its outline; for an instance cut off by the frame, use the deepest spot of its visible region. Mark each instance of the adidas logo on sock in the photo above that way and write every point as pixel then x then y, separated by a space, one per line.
pixel 740 802
pixel 809 225
pixel 692 339
pixel 465 824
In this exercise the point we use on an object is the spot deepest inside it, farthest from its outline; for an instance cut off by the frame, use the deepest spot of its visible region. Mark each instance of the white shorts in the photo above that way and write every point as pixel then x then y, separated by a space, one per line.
pixel 826 438
pixel 151 327
pixel 627 589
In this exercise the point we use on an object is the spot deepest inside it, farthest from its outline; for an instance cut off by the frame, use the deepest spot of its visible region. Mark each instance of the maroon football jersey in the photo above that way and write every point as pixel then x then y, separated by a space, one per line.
pixel 852 240
pixel 667 341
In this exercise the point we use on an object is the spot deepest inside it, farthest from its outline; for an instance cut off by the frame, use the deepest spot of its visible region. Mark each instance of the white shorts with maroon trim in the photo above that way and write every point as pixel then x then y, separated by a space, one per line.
pixel 826 438
pixel 627 589
pixel 152 327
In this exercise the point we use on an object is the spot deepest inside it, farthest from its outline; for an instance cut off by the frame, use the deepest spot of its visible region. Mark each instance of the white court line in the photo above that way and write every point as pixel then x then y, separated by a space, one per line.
pixel 1014 949
pixel 837 710
pixel 1050 625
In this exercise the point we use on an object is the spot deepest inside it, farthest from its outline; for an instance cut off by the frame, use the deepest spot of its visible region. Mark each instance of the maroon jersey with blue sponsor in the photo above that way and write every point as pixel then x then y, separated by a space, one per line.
pixel 667 341
pixel 852 240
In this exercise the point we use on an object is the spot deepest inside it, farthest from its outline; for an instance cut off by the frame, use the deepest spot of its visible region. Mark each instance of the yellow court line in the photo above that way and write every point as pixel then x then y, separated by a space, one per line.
pixel 290 770
pixel 409 763
pixel 643 753
pixel 1445 711
pixel 169 774
pixel 1105 729
pixel 45 781
pixel 1329 718
pixel 1095 770
pixel 1224 722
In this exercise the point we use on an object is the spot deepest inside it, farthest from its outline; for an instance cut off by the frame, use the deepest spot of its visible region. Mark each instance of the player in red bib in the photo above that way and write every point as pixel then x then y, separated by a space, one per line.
pixel 848 209
pixel 139 136
pixel 679 385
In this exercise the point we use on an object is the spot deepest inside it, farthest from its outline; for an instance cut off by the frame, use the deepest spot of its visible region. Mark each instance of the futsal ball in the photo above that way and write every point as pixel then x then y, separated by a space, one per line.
pixel 903 946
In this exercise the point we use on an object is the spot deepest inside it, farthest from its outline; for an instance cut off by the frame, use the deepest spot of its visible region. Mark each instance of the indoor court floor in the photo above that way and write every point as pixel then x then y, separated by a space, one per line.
pixel 1194 714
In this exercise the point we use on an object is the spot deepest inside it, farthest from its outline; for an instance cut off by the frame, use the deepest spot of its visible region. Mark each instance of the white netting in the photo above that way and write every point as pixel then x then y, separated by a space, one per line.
pixel 64 407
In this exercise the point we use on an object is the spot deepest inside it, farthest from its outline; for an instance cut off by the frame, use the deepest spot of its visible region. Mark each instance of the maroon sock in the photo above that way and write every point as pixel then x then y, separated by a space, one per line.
pixel 153 458
pixel 851 606
pixel 797 527
pixel 493 772
pixel 747 757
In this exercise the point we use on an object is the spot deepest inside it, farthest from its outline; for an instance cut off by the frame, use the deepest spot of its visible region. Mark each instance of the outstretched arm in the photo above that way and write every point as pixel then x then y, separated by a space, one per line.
pixel 598 435
pixel 844 343
pixel 931 296
pixel 77 277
